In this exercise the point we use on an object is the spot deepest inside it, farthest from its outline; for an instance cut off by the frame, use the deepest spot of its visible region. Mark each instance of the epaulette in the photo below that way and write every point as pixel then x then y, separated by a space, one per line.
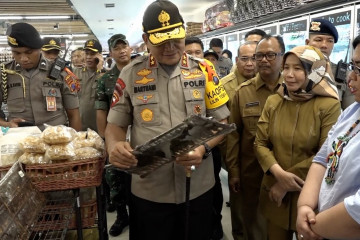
pixel 228 78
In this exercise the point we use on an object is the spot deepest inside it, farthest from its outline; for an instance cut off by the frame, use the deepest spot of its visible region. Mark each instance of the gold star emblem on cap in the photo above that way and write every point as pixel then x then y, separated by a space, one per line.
pixel 52 42
pixel 12 41
pixel 90 43
pixel 315 26
pixel 164 18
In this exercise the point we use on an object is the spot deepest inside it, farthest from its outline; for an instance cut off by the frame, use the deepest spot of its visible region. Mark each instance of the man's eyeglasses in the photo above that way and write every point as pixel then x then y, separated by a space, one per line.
pixel 269 56
pixel 354 68
pixel 246 59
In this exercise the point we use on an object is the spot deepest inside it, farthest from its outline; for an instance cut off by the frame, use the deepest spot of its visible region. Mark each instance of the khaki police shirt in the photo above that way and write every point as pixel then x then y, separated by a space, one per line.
pixel 30 100
pixel 153 102
pixel 88 81
pixel 245 109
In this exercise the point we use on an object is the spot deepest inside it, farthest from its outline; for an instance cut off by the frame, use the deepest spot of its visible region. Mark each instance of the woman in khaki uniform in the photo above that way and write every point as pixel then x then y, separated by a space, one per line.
pixel 293 126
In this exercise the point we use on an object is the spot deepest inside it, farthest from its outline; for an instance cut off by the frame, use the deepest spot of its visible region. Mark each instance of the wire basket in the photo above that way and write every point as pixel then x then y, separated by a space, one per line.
pixel 66 175
pixel 88 214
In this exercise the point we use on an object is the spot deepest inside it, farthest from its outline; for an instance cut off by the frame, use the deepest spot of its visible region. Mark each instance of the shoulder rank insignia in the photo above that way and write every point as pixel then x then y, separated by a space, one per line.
pixel 118 91
pixel 184 61
pixel 143 73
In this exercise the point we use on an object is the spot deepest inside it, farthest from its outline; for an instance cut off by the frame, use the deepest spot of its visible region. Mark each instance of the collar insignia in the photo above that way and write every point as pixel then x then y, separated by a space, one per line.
pixel 164 18
pixel 152 60
pixel 184 61
pixel 315 26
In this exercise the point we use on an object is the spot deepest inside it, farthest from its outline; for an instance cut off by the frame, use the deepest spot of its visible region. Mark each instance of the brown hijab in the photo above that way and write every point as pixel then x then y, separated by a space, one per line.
pixel 319 78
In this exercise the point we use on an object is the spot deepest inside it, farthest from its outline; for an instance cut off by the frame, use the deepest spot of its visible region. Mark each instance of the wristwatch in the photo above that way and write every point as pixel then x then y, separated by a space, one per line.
pixel 207 150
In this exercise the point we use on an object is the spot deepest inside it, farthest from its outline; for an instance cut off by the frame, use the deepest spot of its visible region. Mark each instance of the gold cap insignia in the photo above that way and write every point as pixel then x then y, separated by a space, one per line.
pixel 315 26
pixel 52 42
pixel 90 43
pixel 12 41
pixel 164 18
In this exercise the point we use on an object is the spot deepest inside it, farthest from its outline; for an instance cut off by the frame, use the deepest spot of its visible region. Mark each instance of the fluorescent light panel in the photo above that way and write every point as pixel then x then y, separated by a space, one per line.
pixel 33 17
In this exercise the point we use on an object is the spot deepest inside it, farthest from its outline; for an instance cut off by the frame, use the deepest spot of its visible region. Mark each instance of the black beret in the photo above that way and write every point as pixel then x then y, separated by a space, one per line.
pixel 323 26
pixel 115 38
pixel 23 35
pixel 211 52
pixel 51 43
pixel 162 21
pixel 93 45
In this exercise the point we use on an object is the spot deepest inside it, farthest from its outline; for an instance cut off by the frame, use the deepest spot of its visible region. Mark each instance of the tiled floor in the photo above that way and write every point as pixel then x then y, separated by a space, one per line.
pixel 226 221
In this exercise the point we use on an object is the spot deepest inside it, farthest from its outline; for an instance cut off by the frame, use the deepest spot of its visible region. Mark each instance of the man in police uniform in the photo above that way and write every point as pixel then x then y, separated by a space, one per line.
pixel 323 35
pixel 224 64
pixel 245 173
pixel 51 48
pixel 245 70
pixel 155 93
pixel 88 79
pixel 32 97
pixel 117 181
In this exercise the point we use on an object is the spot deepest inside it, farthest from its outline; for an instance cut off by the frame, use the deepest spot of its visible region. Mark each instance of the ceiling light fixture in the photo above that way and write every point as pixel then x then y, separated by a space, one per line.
pixel 33 17
pixel 109 5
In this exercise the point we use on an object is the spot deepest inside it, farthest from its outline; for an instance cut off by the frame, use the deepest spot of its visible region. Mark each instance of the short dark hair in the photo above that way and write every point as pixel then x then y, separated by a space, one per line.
pixel 356 42
pixel 190 40
pixel 278 38
pixel 228 52
pixel 256 32
pixel 216 42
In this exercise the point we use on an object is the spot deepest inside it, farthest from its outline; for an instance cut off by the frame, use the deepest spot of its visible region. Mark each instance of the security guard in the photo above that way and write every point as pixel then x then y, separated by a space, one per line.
pixel 118 181
pixel 88 77
pixel 323 35
pixel 31 95
pixel 154 94
pixel 51 48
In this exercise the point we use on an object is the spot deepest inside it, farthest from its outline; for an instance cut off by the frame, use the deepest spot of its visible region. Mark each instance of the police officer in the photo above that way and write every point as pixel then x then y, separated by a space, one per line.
pixel 51 48
pixel 31 95
pixel 155 93
pixel 224 64
pixel 323 35
pixel 87 78
pixel 117 181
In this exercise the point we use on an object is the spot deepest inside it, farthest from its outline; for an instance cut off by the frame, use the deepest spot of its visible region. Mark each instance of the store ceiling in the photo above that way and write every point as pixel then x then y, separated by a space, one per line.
pixel 91 17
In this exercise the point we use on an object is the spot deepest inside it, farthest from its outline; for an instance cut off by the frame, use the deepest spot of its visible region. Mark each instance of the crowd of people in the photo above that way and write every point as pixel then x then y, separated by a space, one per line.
pixel 291 162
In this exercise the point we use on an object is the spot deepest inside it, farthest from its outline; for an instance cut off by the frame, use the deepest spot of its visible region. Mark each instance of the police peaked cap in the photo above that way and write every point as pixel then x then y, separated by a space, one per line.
pixel 323 26
pixel 93 45
pixel 23 35
pixel 162 21
pixel 51 43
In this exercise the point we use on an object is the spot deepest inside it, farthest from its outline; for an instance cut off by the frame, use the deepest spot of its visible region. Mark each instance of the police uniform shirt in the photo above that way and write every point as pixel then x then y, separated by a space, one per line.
pixel 105 89
pixel 224 65
pixel 88 81
pixel 152 102
pixel 31 95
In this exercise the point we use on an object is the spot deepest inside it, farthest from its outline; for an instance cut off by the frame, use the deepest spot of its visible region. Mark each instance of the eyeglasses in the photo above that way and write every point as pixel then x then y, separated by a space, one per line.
pixel 246 59
pixel 354 68
pixel 269 56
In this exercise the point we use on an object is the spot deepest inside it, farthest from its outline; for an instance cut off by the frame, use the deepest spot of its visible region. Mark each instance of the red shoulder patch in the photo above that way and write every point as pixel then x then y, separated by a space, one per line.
pixel 118 91
pixel 72 81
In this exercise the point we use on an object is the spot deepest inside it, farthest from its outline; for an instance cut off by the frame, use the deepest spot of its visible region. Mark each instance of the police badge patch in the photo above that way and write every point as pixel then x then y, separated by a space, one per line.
pixel 118 91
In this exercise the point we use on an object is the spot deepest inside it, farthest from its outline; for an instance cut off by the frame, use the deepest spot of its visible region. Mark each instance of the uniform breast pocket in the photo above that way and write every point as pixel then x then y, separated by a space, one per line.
pixel 194 101
pixel 50 95
pixel 16 100
pixel 251 114
pixel 147 109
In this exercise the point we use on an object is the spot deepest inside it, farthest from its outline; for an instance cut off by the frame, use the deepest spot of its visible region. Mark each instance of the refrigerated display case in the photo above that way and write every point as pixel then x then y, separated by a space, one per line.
pixel 293 32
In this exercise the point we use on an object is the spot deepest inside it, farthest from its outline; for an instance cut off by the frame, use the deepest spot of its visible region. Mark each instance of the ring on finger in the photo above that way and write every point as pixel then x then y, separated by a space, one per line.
pixel 192 168
pixel 301 236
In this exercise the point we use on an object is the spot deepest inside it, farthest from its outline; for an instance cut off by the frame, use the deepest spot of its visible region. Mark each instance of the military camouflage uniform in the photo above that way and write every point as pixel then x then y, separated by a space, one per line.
pixel 115 179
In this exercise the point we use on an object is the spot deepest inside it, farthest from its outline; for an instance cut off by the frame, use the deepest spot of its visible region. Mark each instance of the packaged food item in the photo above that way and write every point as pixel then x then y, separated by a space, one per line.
pixel 86 153
pixel 33 144
pixel 58 152
pixel 58 134
pixel 33 158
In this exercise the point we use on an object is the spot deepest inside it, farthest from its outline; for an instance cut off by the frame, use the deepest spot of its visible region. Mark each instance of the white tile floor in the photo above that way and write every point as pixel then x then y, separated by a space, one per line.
pixel 226 221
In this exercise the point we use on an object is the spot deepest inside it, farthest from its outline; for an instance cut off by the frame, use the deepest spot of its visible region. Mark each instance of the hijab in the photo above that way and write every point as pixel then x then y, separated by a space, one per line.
pixel 319 78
